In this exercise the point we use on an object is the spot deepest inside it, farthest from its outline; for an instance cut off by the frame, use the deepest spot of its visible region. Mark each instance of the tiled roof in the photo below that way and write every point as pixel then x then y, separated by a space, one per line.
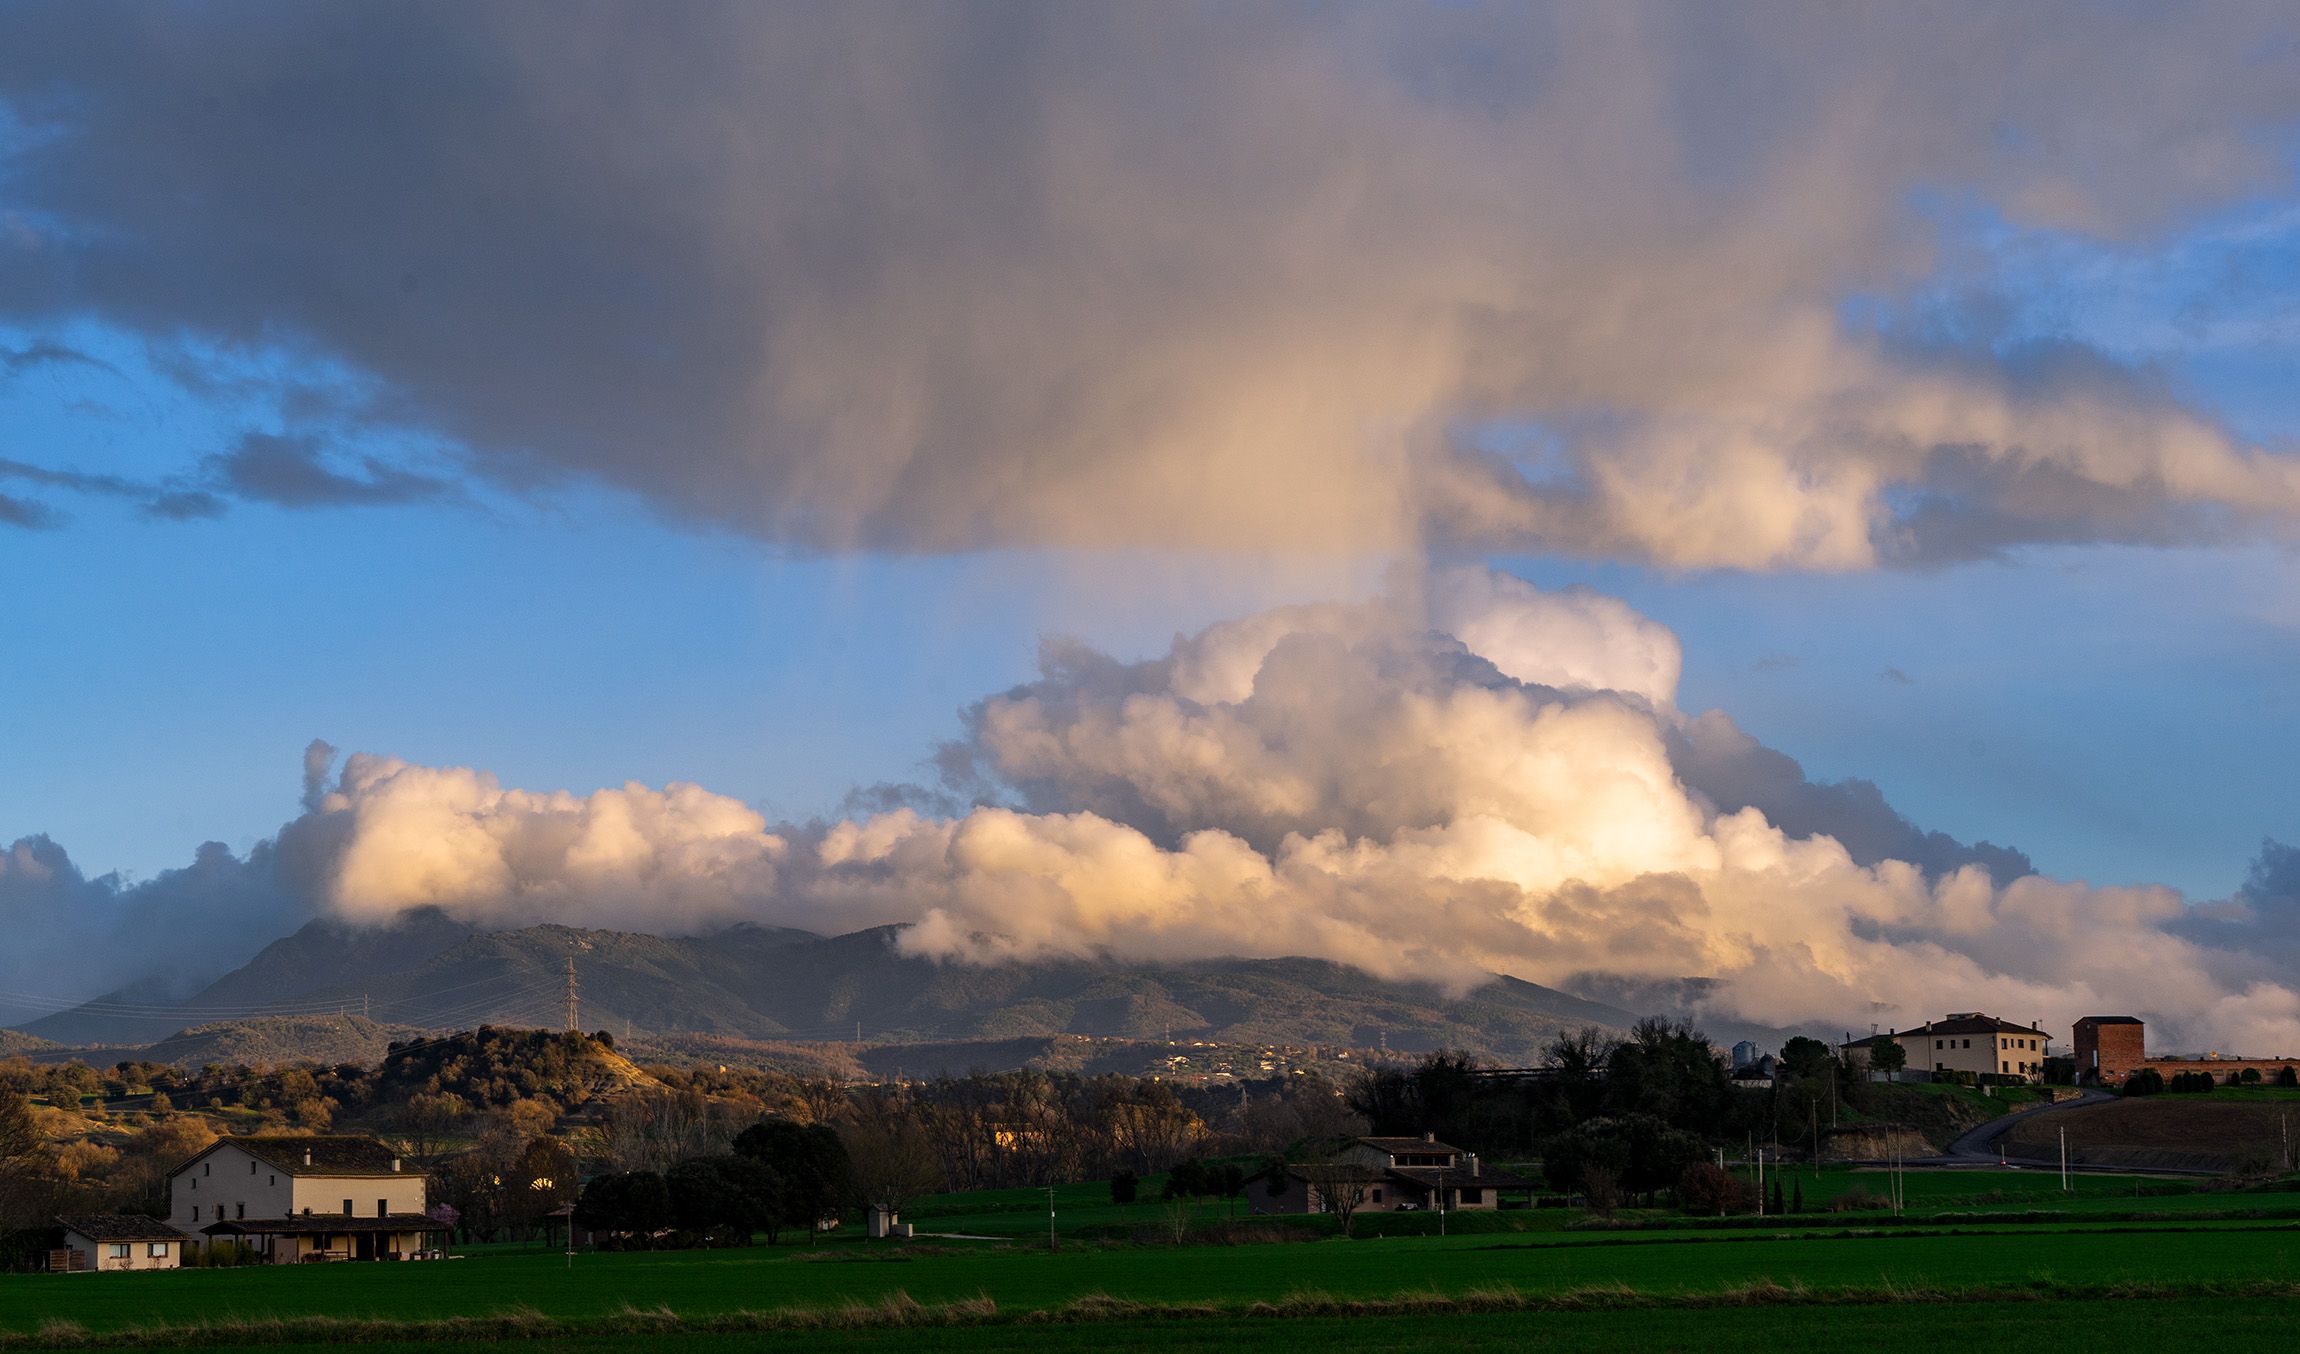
pixel 120 1227
pixel 1408 1145
pixel 341 1155
pixel 2109 1020
pixel 1974 1024
pixel 1488 1177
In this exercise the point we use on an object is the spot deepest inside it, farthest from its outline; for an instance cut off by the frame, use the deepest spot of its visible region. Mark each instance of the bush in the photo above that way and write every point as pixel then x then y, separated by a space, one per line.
pixel 1124 1187
pixel 1857 1199
pixel 2191 1083
pixel 2146 1081
pixel 2288 1076
pixel 2251 1076
pixel 1706 1189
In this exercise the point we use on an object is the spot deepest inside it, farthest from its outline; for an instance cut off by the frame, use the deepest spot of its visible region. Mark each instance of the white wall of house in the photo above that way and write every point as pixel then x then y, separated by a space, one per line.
pixel 231 1183
pixel 125 1255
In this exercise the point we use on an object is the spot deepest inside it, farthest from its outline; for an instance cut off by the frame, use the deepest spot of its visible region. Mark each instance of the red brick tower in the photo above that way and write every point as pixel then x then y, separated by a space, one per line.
pixel 2109 1048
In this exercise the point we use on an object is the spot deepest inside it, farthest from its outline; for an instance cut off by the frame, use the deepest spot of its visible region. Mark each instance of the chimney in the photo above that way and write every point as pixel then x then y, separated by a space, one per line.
pixel 1474 1169
pixel 395 1165
pixel 307 1156
pixel 1429 1137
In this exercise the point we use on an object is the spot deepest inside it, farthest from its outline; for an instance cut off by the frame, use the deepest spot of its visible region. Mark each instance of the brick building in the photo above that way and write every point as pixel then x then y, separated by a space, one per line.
pixel 2110 1048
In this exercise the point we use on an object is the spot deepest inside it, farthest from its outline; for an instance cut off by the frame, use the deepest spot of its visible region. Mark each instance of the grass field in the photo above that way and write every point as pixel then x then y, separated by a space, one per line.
pixel 2004 1234
pixel 1019 1279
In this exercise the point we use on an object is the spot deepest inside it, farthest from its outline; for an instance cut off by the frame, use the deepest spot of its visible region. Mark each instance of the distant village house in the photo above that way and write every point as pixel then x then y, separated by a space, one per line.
pixel 1392 1175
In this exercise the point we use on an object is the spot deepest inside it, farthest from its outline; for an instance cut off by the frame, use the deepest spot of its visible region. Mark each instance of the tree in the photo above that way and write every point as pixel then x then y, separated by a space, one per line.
pixel 2288 1076
pixel 629 1204
pixel 889 1159
pixel 21 1143
pixel 1341 1188
pixel 816 1172
pixel 1887 1056
pixel 1805 1059
pixel 1124 1187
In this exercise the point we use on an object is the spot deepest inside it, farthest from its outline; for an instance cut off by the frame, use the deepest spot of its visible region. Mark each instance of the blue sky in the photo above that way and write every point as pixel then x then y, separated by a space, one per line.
pixel 2122 711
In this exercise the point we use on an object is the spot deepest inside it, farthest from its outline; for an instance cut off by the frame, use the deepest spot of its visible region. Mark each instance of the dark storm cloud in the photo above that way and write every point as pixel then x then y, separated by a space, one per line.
pixel 291 473
pixel 936 277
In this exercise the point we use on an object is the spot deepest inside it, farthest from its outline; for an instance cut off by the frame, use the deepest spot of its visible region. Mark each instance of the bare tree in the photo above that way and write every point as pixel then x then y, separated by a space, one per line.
pixel 1340 1187
pixel 891 1160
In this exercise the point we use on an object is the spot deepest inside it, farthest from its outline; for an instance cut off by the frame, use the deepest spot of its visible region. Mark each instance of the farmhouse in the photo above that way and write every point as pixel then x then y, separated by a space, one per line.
pixel 1391 1175
pixel 292 1199
pixel 1968 1041
pixel 117 1241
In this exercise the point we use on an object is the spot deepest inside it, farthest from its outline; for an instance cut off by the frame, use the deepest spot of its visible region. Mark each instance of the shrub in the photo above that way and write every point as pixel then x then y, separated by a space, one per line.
pixel 1706 1189
pixel 2288 1076
pixel 2251 1076
pixel 2146 1081
pixel 1124 1187
pixel 2190 1083
pixel 1856 1199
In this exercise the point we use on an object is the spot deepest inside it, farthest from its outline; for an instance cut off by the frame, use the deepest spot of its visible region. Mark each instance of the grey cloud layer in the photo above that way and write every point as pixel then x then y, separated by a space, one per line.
pixel 940 277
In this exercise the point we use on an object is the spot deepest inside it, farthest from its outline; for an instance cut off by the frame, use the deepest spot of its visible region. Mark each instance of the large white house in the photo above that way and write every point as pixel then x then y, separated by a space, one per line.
pixel 293 1199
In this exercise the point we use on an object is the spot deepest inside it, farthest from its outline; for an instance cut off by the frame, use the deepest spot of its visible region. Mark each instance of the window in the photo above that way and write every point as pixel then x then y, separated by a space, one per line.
pixel 195 1212
pixel 118 1250
pixel 207 1168
pixel 158 1250
pixel 347 1208
pixel 383 1208
pixel 251 1168
pixel 242 1210
pixel 1377 1196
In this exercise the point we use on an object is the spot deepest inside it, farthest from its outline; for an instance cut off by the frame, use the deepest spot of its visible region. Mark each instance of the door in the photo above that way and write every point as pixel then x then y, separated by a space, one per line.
pixel 364 1246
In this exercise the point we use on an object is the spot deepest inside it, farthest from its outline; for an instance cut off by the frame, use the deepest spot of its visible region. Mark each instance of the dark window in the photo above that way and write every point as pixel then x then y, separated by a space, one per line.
pixel 383 1208
pixel 239 1210
pixel 347 1208
pixel 195 1212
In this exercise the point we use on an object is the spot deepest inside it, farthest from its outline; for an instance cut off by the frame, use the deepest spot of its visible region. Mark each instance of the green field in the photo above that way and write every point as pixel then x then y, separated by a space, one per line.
pixel 2019 1324
pixel 698 1283
pixel 2006 1240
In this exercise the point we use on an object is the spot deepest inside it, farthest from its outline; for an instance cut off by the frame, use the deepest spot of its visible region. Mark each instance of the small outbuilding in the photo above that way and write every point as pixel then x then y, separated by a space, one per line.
pixel 104 1242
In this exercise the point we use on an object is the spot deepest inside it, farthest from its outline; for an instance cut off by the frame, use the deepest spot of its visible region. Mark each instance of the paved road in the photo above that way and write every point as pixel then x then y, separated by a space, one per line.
pixel 1978 1146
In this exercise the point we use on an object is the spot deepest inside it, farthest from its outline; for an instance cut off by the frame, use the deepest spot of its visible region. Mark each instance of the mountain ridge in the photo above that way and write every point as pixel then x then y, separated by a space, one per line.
pixel 761 983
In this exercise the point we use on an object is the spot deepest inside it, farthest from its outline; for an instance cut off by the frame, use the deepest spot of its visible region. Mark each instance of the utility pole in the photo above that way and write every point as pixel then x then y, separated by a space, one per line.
pixel 2064 1161
pixel 573 1024
pixel 1052 1242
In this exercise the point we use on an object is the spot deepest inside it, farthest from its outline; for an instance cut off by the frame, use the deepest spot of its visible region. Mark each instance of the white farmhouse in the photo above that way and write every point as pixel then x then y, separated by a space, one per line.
pixel 293 1199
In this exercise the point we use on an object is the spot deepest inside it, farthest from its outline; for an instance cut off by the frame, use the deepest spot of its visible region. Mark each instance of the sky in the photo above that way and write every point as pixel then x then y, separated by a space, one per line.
pixel 862 413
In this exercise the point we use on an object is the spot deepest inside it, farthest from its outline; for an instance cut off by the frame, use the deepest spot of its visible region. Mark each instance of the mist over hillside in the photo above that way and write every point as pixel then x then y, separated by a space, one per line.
pixel 330 987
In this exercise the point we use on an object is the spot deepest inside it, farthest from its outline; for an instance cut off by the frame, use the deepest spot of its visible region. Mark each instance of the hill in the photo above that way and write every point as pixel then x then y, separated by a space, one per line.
pixel 781 986
pixel 2239 1130
pixel 276 1039
pixel 14 1043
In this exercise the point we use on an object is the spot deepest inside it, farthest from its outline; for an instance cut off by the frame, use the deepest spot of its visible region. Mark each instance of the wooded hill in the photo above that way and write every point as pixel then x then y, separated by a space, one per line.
pixel 758 983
